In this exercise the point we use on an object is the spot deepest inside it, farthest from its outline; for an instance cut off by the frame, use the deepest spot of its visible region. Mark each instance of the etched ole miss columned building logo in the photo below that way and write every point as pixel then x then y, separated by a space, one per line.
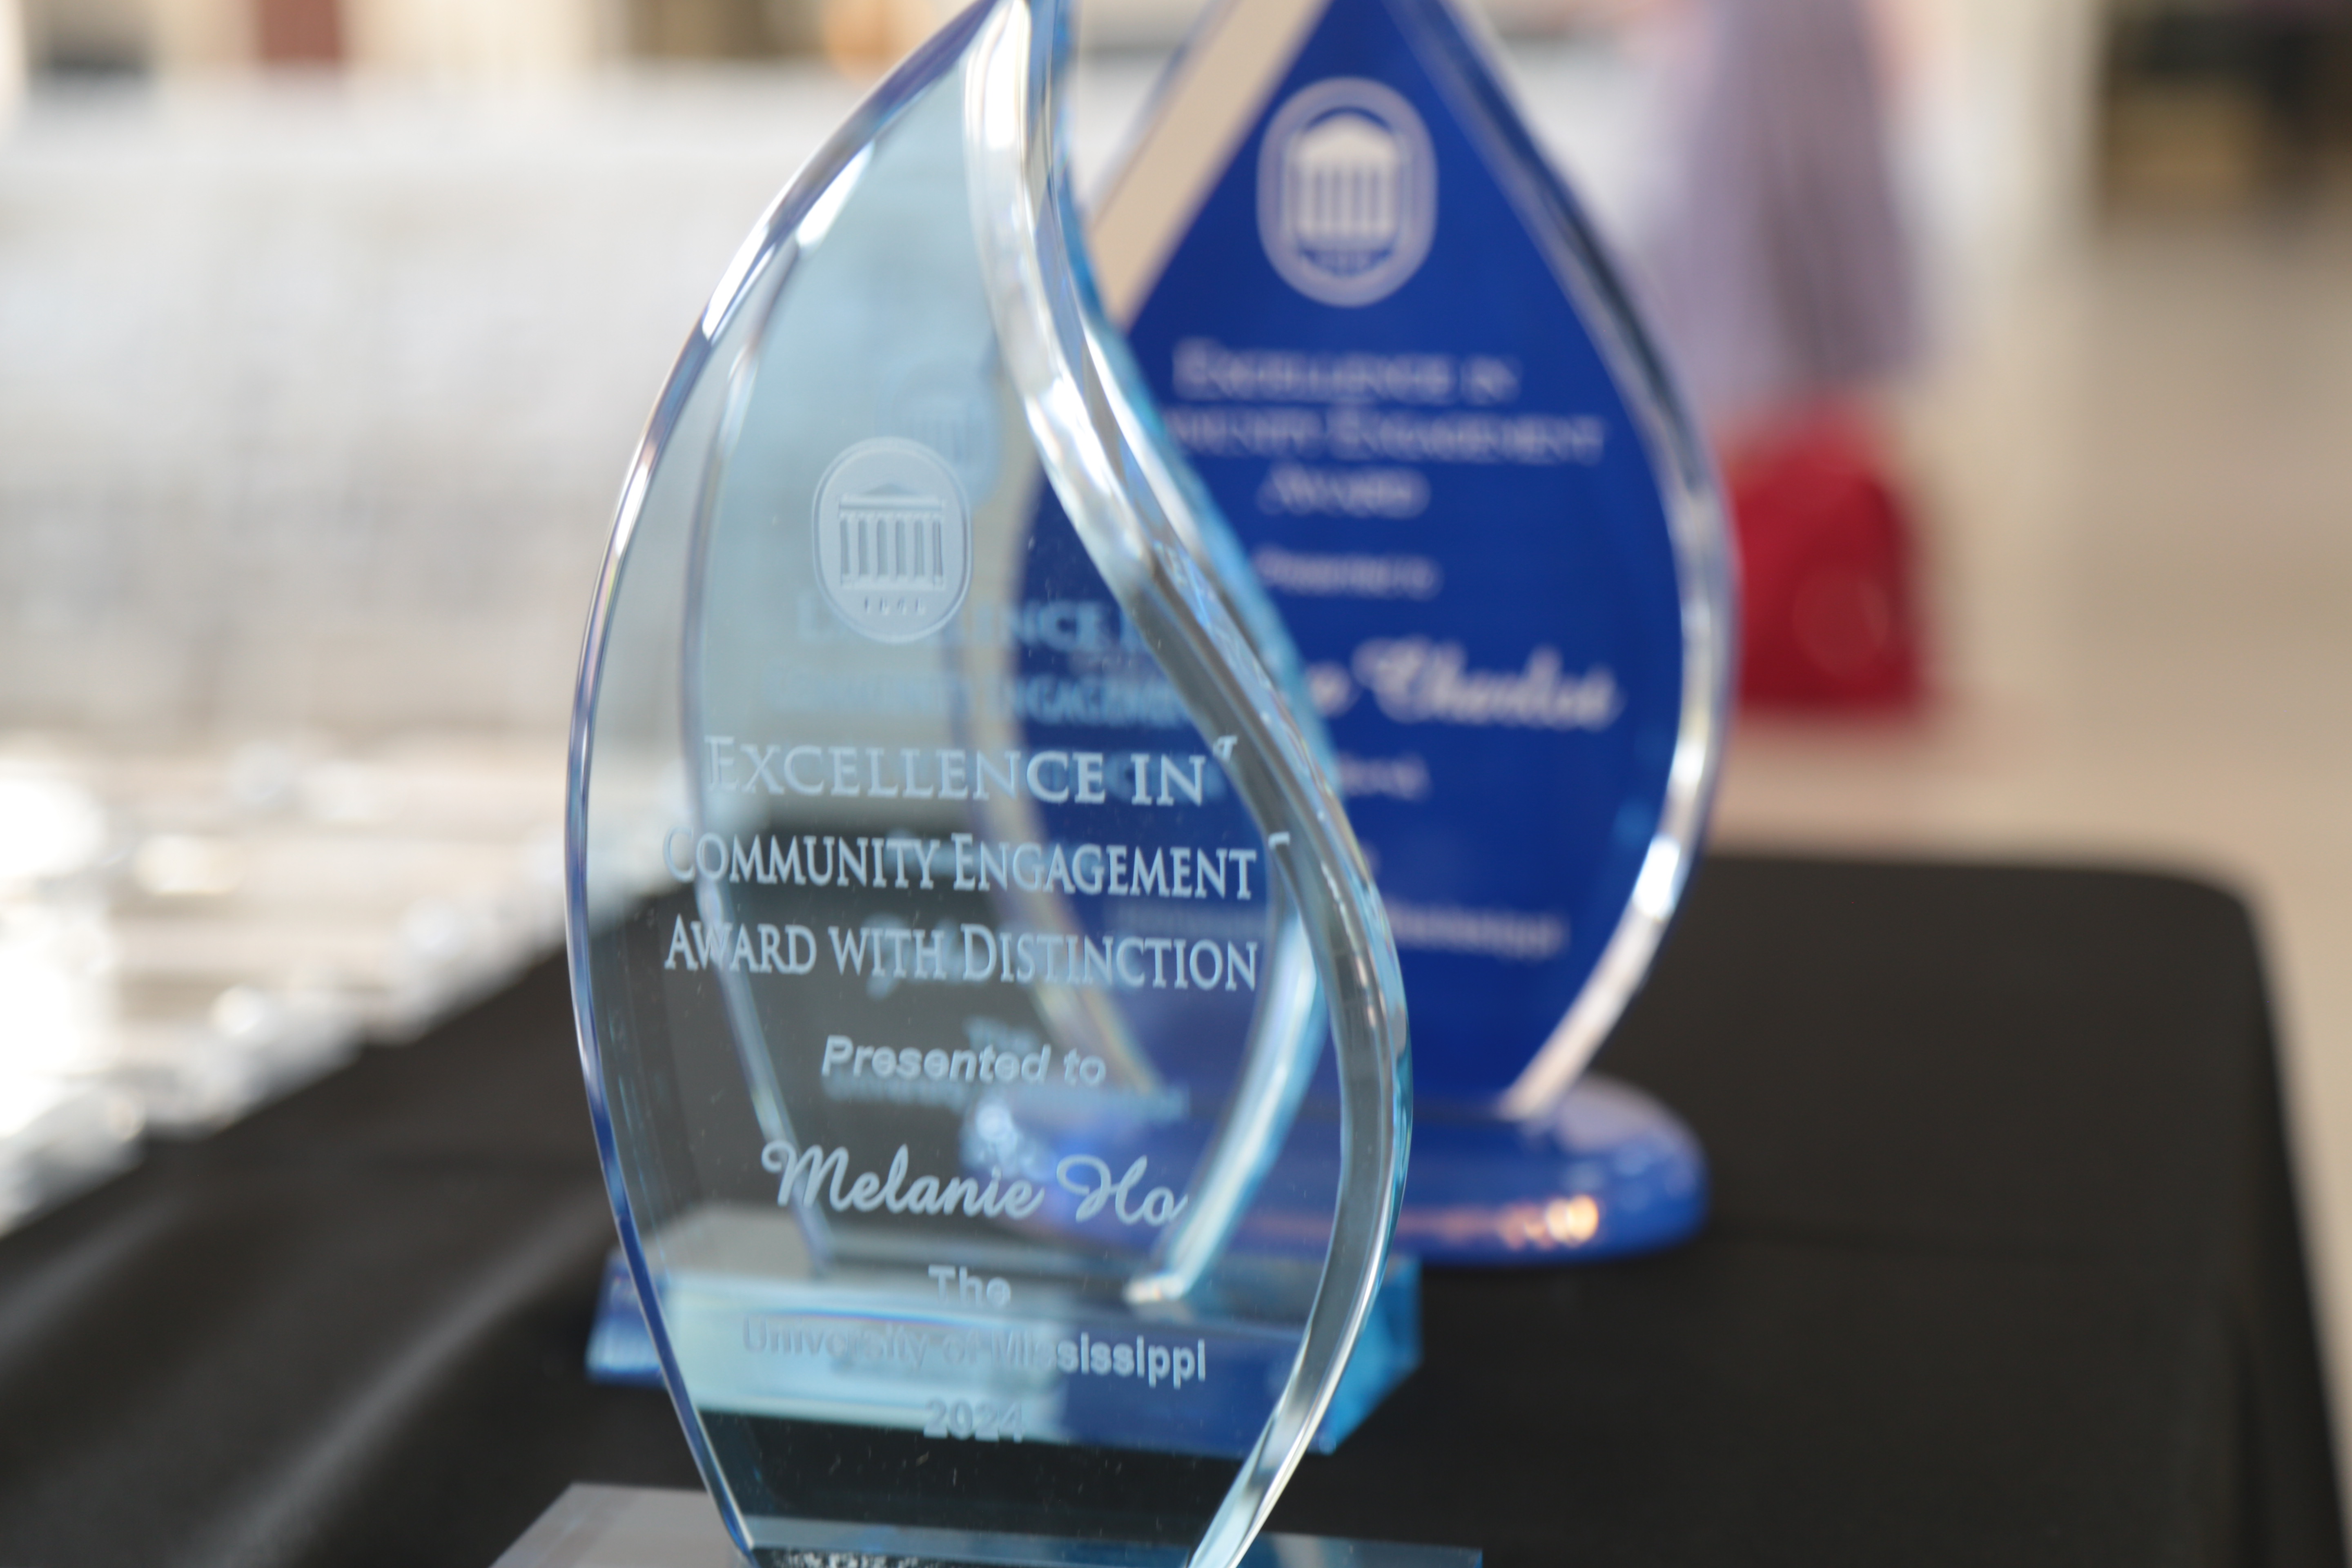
pixel 893 540
pixel 1347 191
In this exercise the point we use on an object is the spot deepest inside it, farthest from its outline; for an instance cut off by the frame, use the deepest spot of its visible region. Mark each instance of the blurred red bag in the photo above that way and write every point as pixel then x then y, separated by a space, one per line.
pixel 1829 601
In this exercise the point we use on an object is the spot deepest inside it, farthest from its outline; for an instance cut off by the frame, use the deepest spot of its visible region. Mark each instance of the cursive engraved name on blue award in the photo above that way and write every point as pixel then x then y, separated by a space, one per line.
pixel 954 889
pixel 1383 331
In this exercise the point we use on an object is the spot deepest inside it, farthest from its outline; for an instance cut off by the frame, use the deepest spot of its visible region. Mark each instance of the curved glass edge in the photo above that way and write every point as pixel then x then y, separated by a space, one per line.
pixel 1464 56
pixel 758 267
pixel 1278 1081
pixel 1125 509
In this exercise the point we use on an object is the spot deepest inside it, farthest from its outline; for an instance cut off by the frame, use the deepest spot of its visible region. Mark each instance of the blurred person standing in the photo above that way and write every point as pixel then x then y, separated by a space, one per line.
pixel 1786 292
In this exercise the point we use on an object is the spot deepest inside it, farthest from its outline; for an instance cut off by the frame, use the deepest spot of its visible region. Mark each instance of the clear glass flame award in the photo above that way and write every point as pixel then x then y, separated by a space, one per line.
pixel 958 909
pixel 1387 338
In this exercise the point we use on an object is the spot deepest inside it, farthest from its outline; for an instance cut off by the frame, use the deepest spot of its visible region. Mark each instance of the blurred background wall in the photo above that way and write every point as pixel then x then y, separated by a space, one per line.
pixel 298 284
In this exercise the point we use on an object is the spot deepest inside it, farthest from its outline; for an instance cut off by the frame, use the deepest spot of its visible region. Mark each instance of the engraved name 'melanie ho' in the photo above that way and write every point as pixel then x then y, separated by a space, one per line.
pixel 814 1172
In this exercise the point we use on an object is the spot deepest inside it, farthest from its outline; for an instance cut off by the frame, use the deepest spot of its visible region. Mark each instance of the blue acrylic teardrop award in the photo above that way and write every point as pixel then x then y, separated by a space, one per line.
pixel 1385 334
pixel 958 905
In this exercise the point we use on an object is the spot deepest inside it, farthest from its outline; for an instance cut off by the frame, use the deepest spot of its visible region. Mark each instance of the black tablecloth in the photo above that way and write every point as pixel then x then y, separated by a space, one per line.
pixel 2004 1268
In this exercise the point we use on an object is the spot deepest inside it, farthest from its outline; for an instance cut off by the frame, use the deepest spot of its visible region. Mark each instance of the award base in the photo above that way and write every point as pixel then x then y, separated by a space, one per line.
pixel 1609 1172
pixel 645 1527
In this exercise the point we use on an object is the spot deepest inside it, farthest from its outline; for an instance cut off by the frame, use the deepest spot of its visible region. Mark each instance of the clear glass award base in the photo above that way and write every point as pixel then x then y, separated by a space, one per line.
pixel 620 1350
pixel 647 1527
pixel 1608 1172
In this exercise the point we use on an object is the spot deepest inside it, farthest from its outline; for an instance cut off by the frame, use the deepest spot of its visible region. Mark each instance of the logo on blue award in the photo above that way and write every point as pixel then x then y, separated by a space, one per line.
pixel 1347 191
pixel 893 540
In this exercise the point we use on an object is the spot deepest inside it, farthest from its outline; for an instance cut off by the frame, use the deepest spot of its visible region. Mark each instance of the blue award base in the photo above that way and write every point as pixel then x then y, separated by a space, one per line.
pixel 1608 1172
